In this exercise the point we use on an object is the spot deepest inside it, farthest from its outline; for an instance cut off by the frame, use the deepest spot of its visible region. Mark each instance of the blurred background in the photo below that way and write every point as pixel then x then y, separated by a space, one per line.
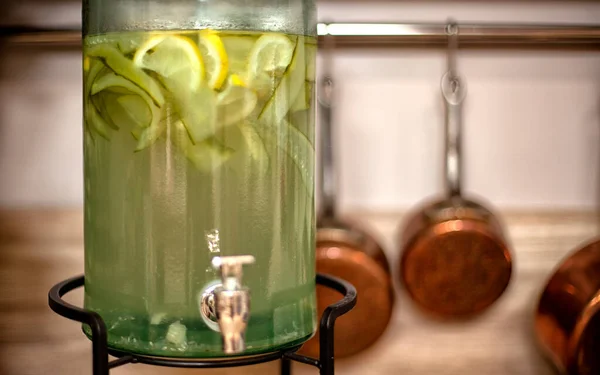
pixel 532 129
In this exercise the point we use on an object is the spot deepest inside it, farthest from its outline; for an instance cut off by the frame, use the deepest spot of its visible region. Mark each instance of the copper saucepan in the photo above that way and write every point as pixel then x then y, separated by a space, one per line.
pixel 455 261
pixel 346 250
pixel 567 319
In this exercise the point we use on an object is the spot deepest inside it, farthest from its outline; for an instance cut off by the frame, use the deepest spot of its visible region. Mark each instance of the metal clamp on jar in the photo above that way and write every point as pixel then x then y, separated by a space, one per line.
pixel 455 261
pixel 347 251
pixel 567 319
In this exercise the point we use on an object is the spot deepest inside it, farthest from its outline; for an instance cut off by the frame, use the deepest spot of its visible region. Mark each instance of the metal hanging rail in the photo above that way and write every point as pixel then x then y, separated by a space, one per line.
pixel 34 36
pixel 379 35
pixel 471 35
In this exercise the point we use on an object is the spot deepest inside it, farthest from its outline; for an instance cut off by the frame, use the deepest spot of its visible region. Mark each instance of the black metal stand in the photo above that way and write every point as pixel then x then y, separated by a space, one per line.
pixel 101 365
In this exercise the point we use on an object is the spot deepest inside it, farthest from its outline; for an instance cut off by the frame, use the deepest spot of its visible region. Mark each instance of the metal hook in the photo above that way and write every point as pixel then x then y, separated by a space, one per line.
pixel 328 179
pixel 454 91
pixel 452 33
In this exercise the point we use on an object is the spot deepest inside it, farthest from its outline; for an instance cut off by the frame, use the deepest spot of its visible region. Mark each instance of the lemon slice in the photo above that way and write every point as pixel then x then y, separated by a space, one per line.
pixel 268 61
pixel 175 58
pixel 215 58
pixel 236 102
pixel 272 53
pixel 126 68
pixel 238 48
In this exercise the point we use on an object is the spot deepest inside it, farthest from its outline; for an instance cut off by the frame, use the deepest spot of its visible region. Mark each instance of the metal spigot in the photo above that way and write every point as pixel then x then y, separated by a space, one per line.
pixel 232 302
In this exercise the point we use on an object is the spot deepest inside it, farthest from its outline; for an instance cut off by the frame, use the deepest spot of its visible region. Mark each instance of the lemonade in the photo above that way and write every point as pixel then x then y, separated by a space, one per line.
pixel 198 144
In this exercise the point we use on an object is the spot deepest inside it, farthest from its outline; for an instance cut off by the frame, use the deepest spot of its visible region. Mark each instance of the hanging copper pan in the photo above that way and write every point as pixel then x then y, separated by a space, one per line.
pixel 567 318
pixel 346 250
pixel 455 260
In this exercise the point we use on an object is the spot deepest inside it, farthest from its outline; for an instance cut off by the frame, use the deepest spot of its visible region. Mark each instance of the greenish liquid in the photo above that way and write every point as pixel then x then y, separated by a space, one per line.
pixel 156 216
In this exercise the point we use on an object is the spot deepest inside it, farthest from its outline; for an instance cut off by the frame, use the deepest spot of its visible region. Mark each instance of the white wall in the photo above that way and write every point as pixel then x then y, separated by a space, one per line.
pixel 532 119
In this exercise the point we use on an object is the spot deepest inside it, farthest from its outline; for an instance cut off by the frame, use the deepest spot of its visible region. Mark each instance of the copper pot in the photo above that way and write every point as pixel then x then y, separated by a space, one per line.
pixel 455 261
pixel 347 251
pixel 567 319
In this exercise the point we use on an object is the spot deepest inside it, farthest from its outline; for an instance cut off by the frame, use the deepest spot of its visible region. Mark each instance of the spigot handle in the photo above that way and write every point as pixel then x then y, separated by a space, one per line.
pixel 232 302
pixel 231 269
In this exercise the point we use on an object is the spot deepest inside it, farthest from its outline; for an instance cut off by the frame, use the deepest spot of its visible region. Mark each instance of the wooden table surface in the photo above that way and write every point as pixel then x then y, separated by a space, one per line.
pixel 41 247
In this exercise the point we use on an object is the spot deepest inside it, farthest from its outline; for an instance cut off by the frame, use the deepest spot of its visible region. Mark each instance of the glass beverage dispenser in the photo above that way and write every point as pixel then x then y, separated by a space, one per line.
pixel 199 174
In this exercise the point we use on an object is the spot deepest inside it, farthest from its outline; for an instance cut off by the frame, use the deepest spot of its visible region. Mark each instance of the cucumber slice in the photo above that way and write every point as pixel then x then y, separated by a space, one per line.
pixel 256 147
pixel 127 44
pixel 206 156
pixel 198 112
pixel 126 68
pixel 137 109
pixel 311 66
pixel 302 101
pixel 96 67
pixel 149 135
pixel 96 122
pixel 92 67
pixel 119 85
pixel 100 104
pixel 296 146
pixel 288 89
pixel 302 152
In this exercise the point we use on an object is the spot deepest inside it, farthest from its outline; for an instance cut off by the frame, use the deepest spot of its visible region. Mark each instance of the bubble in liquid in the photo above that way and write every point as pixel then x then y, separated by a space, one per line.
pixel 212 239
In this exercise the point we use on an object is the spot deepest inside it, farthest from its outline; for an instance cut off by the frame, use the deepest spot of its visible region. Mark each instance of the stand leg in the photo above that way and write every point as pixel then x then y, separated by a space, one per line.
pixel 286 366
pixel 93 320
pixel 326 346
pixel 99 345
pixel 331 313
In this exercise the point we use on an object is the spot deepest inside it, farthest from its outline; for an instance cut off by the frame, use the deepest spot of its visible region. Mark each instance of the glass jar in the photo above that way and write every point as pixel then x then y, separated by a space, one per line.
pixel 198 163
